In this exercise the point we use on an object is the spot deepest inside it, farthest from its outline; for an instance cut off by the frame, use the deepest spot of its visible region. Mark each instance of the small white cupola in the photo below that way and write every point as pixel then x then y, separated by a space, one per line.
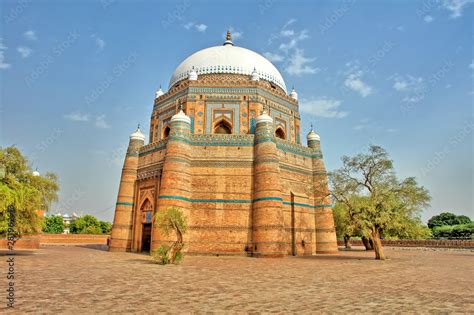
pixel 192 76
pixel 293 94
pixel 35 173
pixel 137 134
pixel 181 116
pixel 159 92
pixel 313 136
pixel 264 118
pixel 254 76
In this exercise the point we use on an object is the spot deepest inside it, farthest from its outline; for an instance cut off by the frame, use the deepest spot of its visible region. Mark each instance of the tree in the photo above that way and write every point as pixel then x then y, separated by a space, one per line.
pixel 53 224
pixel 87 224
pixel 26 192
pixel 366 184
pixel 447 218
pixel 106 227
pixel 171 219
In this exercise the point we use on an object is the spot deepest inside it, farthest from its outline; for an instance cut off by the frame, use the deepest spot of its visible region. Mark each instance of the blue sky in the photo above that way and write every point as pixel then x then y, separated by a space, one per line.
pixel 77 77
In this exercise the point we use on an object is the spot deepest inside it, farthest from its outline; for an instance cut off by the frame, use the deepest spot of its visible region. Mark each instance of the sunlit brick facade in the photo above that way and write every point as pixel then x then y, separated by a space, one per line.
pixel 232 160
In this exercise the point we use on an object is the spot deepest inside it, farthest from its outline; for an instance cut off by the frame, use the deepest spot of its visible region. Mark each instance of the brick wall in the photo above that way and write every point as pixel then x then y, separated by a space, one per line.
pixel 73 239
pixel 27 242
pixel 420 243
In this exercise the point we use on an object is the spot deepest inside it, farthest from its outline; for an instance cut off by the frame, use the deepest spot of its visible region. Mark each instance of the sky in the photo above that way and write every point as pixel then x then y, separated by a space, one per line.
pixel 77 77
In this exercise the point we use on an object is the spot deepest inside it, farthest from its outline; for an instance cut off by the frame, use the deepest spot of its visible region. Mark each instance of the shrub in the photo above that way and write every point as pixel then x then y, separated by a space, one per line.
pixel 465 231
pixel 53 224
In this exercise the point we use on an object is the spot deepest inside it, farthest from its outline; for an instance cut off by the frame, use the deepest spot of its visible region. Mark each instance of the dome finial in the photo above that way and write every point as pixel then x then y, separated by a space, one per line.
pixel 228 39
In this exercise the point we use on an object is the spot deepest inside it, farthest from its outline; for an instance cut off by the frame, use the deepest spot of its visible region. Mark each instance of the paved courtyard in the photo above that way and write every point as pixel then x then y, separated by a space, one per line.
pixel 68 279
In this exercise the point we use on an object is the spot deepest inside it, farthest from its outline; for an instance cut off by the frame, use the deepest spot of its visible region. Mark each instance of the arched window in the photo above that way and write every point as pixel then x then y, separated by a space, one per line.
pixel 279 133
pixel 223 128
pixel 166 132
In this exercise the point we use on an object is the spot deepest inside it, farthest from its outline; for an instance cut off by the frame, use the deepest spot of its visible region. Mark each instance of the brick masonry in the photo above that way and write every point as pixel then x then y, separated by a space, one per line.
pixel 246 193
pixel 73 239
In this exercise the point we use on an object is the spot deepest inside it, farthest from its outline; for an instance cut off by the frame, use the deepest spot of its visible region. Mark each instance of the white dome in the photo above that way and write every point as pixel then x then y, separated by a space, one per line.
pixel 293 94
pixel 137 135
pixel 313 136
pixel 35 173
pixel 181 116
pixel 264 118
pixel 159 93
pixel 228 59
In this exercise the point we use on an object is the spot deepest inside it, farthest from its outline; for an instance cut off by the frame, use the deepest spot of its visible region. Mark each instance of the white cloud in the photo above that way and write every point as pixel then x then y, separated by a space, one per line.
pixel 407 83
pixel 414 88
pixel 273 57
pixel 77 116
pixel 198 27
pixel 3 64
pixel 30 35
pixel 400 85
pixel 24 51
pixel 354 82
pixel 201 27
pixel 428 19
pixel 98 121
pixel 456 7
pixel 292 55
pixel 322 107
pixel 400 28
pixel 101 123
pixel 99 42
pixel 299 64
pixel 2 46
pixel 471 65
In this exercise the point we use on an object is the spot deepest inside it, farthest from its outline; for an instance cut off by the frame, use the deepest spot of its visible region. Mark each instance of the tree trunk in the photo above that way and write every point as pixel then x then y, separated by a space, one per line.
pixel 375 233
pixel 368 245
pixel 177 246
pixel 347 241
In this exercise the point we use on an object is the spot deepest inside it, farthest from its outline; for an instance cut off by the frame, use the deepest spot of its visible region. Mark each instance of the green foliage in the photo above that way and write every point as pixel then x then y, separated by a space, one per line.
pixel 463 231
pixel 27 193
pixel 171 219
pixel 168 220
pixel 87 224
pixel 447 218
pixel 161 254
pixel 106 227
pixel 377 203
pixel 53 224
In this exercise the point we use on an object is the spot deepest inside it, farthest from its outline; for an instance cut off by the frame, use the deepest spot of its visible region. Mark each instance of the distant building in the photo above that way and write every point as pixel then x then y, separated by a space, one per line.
pixel 67 219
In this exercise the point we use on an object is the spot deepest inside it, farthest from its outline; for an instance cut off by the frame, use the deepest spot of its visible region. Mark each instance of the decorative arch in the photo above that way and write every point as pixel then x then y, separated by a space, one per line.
pixel 280 133
pixel 223 126
pixel 146 205
pixel 166 132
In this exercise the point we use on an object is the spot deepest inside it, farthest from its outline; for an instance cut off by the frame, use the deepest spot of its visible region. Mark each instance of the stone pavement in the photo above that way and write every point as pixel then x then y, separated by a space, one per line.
pixel 83 280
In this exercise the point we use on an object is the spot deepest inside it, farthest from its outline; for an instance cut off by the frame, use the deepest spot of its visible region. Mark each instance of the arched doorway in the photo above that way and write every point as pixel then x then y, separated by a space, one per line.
pixel 146 209
pixel 279 133
pixel 166 132
pixel 223 127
